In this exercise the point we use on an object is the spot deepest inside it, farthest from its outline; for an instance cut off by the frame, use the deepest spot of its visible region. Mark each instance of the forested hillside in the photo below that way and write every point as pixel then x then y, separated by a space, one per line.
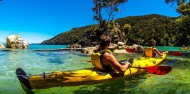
pixel 143 28
pixel 72 36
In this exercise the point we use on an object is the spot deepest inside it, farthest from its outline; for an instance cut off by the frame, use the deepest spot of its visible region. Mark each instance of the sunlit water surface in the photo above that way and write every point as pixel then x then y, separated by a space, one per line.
pixel 37 62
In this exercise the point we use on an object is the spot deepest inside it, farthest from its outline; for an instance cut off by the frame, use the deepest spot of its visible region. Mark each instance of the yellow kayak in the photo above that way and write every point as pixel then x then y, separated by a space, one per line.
pixel 83 76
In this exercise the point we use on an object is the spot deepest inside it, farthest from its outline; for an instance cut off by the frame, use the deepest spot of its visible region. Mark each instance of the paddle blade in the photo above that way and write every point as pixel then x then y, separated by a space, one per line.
pixel 159 70
pixel 130 50
pixel 176 53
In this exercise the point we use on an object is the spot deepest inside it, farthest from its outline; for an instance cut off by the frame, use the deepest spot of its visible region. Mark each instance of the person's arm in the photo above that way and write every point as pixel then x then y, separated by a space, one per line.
pixel 158 52
pixel 115 64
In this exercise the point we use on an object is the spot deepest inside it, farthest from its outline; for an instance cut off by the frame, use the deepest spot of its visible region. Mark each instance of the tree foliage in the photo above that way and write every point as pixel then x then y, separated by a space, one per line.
pixel 144 28
pixel 104 13
pixel 108 6
pixel 176 1
pixel 183 22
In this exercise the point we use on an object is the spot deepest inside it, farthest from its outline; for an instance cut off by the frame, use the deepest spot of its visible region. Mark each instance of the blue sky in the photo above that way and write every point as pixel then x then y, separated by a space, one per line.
pixel 39 20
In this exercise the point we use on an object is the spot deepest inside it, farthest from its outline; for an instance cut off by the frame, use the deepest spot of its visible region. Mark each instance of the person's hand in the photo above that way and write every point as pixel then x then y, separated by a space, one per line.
pixel 131 60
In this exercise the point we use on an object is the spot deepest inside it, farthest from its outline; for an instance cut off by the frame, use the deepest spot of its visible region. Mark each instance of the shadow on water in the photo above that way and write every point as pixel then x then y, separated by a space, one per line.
pixel 117 86
pixel 52 57
pixel 55 60
pixel 172 62
pixel 58 57
pixel 179 62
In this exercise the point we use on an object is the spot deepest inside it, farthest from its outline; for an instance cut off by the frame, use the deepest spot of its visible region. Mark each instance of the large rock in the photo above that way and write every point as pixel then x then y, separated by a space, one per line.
pixel 15 41
pixel 89 50
pixel 121 45
pixel 2 46
pixel 120 51
pixel 138 48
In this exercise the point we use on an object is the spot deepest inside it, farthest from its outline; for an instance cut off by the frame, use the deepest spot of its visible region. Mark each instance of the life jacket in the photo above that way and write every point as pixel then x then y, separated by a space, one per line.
pixel 97 62
pixel 149 52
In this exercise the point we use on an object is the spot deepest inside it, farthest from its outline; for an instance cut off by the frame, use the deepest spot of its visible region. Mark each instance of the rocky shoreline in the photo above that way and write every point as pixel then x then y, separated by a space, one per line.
pixel 115 48
pixel 14 41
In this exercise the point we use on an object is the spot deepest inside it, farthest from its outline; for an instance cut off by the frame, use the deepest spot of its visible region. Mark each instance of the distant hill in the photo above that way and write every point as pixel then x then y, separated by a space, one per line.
pixel 69 37
pixel 143 28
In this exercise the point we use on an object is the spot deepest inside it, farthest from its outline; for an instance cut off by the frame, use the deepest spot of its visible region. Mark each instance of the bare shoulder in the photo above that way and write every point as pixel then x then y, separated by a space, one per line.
pixel 108 55
pixel 154 49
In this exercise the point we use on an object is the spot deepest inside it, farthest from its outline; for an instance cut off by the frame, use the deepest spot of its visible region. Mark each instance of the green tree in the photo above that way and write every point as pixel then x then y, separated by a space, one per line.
pixel 176 1
pixel 183 22
pixel 106 6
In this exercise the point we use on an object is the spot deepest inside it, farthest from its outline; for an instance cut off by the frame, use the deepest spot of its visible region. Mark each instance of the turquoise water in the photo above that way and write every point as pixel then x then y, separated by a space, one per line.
pixel 166 48
pixel 37 62
pixel 37 46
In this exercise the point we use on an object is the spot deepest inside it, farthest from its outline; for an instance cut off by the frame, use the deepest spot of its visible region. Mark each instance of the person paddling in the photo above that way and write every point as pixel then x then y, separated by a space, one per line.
pixel 151 51
pixel 103 59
